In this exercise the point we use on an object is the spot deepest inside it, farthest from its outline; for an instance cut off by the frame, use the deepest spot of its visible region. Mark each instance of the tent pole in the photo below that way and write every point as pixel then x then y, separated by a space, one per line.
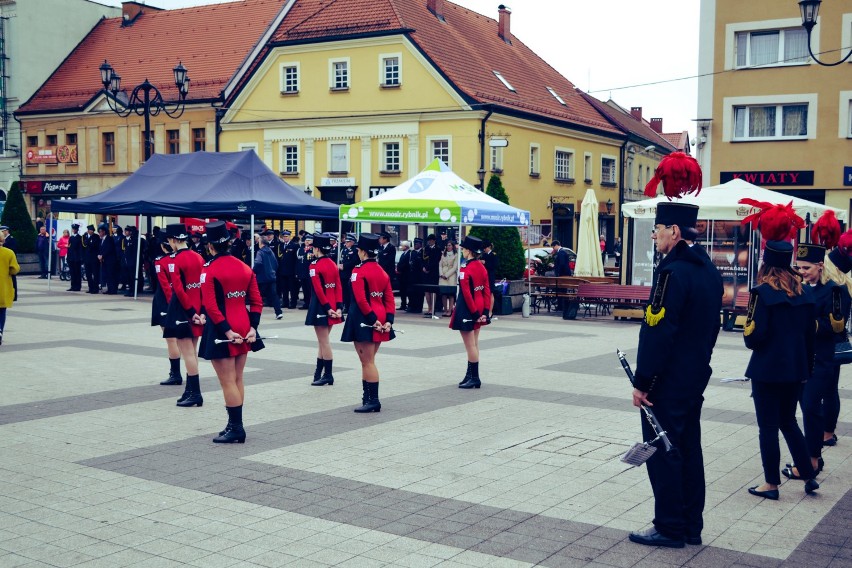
pixel 49 251
pixel 458 258
pixel 138 257
pixel 252 239
pixel 340 237
pixel 529 263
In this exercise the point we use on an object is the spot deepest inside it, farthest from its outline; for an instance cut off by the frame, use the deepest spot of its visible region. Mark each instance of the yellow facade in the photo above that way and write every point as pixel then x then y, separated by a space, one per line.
pixel 741 35
pixel 341 136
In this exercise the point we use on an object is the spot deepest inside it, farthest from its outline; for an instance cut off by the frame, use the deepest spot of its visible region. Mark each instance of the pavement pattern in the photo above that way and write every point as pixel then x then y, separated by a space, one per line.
pixel 100 468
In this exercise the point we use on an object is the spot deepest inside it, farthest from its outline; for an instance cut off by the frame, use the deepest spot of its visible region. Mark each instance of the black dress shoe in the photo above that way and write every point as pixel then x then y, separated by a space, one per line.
pixel 324 380
pixel 771 494
pixel 830 442
pixel 651 537
pixel 231 435
pixel 471 383
pixel 789 474
pixel 694 540
pixel 811 485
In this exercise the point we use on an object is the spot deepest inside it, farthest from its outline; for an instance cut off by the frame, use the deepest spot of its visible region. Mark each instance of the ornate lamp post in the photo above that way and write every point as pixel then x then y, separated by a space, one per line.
pixel 810 11
pixel 145 100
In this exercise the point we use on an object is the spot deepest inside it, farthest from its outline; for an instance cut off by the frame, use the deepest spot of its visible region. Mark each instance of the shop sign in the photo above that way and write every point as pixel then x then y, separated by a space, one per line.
pixel 337 182
pixel 58 188
pixel 847 175
pixel 374 191
pixel 771 177
pixel 65 154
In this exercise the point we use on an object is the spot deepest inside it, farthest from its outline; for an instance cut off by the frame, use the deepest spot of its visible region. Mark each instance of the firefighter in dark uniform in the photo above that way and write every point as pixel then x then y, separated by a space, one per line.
pixel 128 259
pixel 348 261
pixel 91 246
pixel 75 258
pixel 431 272
pixel 676 342
pixel 108 258
pixel 305 256
pixel 289 284
pixel 238 247
pixel 415 270
pixel 403 273
pixel 387 255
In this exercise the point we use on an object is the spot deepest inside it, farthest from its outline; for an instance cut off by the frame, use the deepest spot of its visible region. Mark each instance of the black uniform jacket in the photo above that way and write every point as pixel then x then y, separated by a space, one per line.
pixel 387 259
pixel 680 327
pixel 75 248
pixel 780 332
pixel 832 304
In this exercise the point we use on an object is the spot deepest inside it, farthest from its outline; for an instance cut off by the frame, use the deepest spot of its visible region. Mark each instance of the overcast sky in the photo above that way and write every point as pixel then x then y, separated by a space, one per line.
pixel 602 46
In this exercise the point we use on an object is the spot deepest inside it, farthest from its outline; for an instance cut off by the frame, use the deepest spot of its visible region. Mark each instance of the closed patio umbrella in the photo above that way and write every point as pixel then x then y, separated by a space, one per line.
pixel 589 262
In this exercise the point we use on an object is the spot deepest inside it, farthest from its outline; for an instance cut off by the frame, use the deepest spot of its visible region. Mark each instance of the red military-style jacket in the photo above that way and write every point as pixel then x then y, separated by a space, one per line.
pixel 372 292
pixel 184 271
pixel 325 279
pixel 227 286
pixel 475 291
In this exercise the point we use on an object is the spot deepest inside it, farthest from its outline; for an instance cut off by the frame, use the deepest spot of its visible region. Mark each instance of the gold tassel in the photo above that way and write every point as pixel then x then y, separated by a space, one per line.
pixel 837 325
pixel 748 328
pixel 652 318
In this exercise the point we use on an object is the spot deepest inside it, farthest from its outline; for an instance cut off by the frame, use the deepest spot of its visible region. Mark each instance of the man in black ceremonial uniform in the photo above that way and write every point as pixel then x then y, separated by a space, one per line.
pixel 108 257
pixel 348 261
pixel 305 256
pixel 387 256
pixel 75 258
pixel 403 271
pixel 289 283
pixel 415 278
pixel 672 370
pixel 431 272
pixel 91 248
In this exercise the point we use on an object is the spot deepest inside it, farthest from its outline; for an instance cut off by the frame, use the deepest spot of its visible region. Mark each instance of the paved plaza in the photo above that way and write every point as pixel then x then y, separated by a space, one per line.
pixel 100 469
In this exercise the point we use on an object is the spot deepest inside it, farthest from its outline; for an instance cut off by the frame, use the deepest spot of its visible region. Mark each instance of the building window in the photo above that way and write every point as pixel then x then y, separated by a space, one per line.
pixel 71 139
pixel 440 149
pixel 391 72
pixel 339 80
pixel 50 140
pixel 289 78
pixel 766 122
pixel 607 171
pixel 587 167
pixel 199 139
pixel 564 165
pixel 243 146
pixel 339 158
pixel 108 147
pixel 772 47
pixel 290 159
pixel 496 160
pixel 535 160
pixel 391 154
pixel 32 141
pixel 173 141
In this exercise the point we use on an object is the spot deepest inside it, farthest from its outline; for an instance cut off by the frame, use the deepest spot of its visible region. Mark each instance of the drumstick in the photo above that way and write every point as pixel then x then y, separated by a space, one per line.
pixel 381 330
pixel 217 341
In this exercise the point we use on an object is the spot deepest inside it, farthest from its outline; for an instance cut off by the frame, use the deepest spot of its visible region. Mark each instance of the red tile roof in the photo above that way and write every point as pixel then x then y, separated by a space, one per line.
pixel 677 139
pixel 211 41
pixel 630 124
pixel 465 47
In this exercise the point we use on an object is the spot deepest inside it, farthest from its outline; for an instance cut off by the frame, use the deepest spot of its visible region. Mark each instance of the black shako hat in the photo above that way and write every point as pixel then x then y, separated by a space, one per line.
pixel 778 254
pixel 810 252
pixel 217 232
pixel 684 215
pixel 368 242
pixel 472 244
pixel 75 225
pixel 176 231
pixel 322 241
pixel 90 227
pixel 840 260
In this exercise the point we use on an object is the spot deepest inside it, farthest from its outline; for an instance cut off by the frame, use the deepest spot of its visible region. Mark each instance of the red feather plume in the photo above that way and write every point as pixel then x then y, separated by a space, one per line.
pixel 776 222
pixel 844 243
pixel 826 230
pixel 680 174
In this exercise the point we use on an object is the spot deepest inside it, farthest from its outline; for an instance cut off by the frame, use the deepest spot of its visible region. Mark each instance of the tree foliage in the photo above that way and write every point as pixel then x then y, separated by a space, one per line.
pixel 17 218
pixel 506 240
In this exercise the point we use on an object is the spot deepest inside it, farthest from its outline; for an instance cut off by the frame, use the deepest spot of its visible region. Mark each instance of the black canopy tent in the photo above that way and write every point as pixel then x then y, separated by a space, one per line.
pixel 203 184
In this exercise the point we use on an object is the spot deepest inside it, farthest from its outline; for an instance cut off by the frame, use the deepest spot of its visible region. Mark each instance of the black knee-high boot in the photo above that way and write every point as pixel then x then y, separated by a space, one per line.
pixel 192 395
pixel 317 372
pixel 327 377
pixel 174 373
pixel 371 404
pixel 467 374
pixel 234 431
pixel 473 382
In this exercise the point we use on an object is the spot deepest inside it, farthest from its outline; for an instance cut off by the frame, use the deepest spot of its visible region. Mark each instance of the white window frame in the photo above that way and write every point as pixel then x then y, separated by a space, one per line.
pixel 243 146
pixel 332 84
pixel 731 31
pixel 845 114
pixel 845 34
pixel 383 157
pixel 383 82
pixel 535 159
pixel 588 168
pixel 348 156
pixel 503 80
pixel 614 180
pixel 496 160
pixel 282 158
pixel 728 119
pixel 430 153
pixel 556 96
pixel 282 73
pixel 782 40
pixel 572 163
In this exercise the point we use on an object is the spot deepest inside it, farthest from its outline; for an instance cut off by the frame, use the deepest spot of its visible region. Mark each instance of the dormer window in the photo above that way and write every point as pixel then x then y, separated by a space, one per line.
pixel 504 81
pixel 555 96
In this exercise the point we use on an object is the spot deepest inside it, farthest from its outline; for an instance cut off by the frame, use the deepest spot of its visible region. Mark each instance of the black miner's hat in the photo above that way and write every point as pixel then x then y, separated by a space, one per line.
pixel 810 252
pixel 368 242
pixel 472 244
pixel 778 254
pixel 176 231
pixel 217 232
pixel 684 215
pixel 322 241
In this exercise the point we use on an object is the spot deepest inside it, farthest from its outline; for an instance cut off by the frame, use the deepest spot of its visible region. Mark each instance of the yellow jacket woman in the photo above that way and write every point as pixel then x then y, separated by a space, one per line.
pixel 8 268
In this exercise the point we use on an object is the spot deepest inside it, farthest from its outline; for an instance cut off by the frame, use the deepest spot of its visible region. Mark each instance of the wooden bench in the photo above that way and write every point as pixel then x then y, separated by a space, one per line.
pixel 730 314
pixel 608 297
pixel 548 291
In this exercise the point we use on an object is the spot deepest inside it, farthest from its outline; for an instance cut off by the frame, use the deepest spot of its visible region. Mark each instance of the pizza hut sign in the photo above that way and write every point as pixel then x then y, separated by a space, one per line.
pixel 58 188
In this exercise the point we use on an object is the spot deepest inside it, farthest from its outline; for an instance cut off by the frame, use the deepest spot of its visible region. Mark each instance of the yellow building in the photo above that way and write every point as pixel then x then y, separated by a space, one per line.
pixel 767 112
pixel 350 96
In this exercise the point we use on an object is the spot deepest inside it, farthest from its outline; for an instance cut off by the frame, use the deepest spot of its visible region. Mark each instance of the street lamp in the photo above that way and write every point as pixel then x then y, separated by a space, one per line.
pixel 308 191
pixel 145 100
pixel 350 193
pixel 810 11
pixel 609 205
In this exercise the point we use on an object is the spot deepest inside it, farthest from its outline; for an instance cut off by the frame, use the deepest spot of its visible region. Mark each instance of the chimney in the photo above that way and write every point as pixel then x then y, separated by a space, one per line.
pixel 436 7
pixel 131 10
pixel 505 18
pixel 657 125
pixel 636 112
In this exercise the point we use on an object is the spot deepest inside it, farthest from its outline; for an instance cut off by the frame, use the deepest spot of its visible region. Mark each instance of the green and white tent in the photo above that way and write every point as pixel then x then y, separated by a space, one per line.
pixel 435 196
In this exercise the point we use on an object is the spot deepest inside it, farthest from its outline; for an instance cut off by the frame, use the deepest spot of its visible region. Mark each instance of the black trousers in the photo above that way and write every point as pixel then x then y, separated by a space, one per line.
pixel 813 418
pixel 677 477
pixel 403 291
pixel 305 284
pixel 93 275
pixel 775 407
pixel 269 292
pixel 75 266
pixel 831 401
pixel 346 283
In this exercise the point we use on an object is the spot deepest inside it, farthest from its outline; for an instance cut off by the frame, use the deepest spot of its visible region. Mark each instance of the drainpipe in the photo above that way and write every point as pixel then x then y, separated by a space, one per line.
pixel 220 112
pixel 482 149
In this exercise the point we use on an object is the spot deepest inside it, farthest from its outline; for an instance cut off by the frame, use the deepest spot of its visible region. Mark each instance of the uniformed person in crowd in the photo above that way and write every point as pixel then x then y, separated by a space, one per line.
pixel 491 262
pixel 387 255
pixel 348 261
pixel 196 244
pixel 266 272
pixel 415 271
pixel 91 250
pixel 75 258
pixel 108 258
pixel 305 256
pixel 431 272
pixel 676 342
pixel 10 243
pixel 288 283
pixel 403 274
pixel 129 247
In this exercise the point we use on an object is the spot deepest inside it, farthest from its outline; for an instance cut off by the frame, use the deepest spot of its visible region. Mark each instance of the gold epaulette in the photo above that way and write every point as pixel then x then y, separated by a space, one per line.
pixel 655 312
pixel 838 322
pixel 748 328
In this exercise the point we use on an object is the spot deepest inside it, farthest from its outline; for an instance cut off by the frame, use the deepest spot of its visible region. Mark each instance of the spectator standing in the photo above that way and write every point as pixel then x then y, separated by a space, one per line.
pixel 304 257
pixel 449 270
pixel 75 258
pixel 403 274
pixel 8 268
pixel 415 278
pixel 616 249
pixel 348 261
pixel 387 255
pixel 266 272
pixel 43 249
pixel 603 250
pixel 62 249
